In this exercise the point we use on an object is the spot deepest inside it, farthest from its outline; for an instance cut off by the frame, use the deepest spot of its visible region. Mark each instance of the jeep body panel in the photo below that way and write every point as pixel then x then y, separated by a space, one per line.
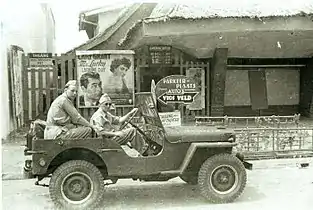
pixel 179 145
pixel 198 134
pixel 173 157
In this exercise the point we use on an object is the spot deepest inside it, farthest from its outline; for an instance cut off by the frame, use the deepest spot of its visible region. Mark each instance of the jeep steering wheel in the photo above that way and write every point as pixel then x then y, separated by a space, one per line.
pixel 129 119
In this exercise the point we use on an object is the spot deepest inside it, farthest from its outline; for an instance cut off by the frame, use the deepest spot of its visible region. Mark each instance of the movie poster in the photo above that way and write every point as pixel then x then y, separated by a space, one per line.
pixel 105 71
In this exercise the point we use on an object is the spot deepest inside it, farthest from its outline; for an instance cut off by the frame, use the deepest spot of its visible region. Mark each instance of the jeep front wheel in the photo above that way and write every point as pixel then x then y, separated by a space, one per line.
pixel 77 184
pixel 222 178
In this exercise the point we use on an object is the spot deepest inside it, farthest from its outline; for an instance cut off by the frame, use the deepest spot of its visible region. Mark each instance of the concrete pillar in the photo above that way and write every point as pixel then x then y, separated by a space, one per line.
pixel 218 75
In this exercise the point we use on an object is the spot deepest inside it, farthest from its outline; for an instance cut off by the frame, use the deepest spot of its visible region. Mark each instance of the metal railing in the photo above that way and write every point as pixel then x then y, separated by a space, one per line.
pixel 255 121
pixel 263 137
pixel 274 139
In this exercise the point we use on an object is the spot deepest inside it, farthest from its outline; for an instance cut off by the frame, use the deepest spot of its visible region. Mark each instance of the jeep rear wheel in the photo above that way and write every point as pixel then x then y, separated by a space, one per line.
pixel 222 178
pixel 77 184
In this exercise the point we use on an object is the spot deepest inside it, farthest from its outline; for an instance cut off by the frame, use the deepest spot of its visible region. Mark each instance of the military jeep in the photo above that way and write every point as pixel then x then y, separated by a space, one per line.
pixel 80 169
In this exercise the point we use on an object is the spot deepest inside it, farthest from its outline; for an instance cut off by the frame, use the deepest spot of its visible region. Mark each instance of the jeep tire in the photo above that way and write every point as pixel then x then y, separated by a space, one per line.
pixel 77 184
pixel 222 178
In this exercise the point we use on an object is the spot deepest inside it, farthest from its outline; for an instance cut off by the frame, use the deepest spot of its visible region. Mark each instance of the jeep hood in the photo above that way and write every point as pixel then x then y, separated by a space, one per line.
pixel 198 134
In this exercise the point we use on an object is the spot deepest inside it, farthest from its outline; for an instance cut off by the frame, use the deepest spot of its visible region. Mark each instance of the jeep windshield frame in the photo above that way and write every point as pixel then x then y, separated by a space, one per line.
pixel 147 109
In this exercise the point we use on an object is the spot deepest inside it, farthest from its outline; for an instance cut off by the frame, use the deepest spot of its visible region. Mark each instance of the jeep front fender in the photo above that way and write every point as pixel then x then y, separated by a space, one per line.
pixel 192 149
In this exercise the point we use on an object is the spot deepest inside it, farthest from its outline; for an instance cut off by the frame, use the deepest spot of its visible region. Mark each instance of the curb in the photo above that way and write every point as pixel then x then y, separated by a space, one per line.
pixel 300 163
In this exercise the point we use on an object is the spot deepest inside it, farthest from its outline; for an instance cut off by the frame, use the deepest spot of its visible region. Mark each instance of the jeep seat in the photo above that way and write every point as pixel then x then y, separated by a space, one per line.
pixel 37 129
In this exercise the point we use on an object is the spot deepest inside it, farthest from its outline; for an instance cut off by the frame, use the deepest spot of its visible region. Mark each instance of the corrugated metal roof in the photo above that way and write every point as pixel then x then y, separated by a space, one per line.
pixel 226 8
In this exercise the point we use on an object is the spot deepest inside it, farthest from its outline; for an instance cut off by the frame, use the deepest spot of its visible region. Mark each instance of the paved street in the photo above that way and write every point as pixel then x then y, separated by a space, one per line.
pixel 273 184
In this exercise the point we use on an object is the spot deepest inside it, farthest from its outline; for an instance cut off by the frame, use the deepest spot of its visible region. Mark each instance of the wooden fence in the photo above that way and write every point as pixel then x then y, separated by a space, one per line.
pixel 41 85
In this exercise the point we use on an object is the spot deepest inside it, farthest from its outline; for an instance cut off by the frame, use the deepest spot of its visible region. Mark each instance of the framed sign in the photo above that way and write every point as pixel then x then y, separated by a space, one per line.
pixel 105 71
pixel 160 54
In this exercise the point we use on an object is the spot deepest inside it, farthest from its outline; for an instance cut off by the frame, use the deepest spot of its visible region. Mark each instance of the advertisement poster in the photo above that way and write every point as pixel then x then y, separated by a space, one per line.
pixel 105 71
pixel 198 75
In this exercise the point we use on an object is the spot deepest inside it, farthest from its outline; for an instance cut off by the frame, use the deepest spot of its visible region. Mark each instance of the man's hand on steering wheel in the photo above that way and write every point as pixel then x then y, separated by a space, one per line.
pixel 131 115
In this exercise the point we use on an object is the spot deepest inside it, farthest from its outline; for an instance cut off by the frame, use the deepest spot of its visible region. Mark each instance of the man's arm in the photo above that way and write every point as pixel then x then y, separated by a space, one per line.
pixel 74 114
pixel 98 123
pixel 125 117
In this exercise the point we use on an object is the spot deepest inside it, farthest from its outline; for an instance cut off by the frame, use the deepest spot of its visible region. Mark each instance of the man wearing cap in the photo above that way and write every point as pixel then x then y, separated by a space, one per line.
pixel 103 122
pixel 63 119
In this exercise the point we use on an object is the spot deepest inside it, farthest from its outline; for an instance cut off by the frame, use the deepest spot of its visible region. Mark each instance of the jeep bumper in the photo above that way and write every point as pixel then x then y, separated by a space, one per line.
pixel 246 164
pixel 27 171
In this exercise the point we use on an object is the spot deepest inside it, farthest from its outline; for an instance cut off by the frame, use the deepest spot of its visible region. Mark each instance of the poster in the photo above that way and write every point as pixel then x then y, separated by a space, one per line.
pixel 198 75
pixel 105 71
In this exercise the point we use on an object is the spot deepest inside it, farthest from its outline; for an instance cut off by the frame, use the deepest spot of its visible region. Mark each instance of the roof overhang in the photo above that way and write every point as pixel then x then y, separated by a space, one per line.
pixel 272 37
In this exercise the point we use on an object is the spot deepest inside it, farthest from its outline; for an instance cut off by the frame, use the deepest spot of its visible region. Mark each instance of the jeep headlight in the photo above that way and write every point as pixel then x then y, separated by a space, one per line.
pixel 42 162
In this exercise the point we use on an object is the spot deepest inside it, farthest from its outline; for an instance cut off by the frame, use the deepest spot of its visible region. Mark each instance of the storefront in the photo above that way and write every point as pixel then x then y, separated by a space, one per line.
pixel 248 66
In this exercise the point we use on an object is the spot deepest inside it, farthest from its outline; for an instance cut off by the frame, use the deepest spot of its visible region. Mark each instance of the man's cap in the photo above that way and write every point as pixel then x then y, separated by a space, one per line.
pixel 104 98
pixel 71 82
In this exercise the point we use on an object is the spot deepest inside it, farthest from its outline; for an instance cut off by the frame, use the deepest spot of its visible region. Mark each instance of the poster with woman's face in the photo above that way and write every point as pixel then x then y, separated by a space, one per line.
pixel 104 71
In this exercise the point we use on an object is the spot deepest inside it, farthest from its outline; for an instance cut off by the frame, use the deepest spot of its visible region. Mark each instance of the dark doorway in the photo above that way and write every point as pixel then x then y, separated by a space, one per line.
pixel 155 73
pixel 258 90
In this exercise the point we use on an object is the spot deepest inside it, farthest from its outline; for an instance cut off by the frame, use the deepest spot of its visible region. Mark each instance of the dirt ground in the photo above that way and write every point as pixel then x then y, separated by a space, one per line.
pixel 272 188
pixel 271 185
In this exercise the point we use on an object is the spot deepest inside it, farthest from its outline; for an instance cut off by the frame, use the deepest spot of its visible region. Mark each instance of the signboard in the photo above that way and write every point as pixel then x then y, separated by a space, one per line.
pixel 160 54
pixel 176 89
pixel 41 60
pixel 170 119
pixel 105 71
pixel 199 77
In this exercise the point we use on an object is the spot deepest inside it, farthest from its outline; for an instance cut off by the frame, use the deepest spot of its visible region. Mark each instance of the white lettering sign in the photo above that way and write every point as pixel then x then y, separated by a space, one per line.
pixel 170 119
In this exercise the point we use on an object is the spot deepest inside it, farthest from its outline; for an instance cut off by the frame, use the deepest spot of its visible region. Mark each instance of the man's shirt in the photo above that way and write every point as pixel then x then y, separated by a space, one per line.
pixel 103 121
pixel 61 113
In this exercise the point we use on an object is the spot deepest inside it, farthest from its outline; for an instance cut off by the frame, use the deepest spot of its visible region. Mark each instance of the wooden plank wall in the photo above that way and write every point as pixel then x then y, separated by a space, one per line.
pixel 39 89
pixel 42 85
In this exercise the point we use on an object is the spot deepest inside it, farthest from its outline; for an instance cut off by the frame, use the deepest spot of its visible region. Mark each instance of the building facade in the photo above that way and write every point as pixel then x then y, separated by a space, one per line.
pixel 255 62
pixel 22 31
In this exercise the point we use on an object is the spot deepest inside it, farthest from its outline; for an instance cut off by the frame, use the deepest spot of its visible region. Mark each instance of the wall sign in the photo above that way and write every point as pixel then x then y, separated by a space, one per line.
pixel 40 60
pixel 160 54
pixel 170 119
